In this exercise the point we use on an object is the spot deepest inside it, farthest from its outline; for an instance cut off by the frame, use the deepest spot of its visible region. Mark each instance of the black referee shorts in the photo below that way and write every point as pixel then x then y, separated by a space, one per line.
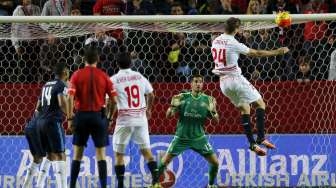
pixel 90 123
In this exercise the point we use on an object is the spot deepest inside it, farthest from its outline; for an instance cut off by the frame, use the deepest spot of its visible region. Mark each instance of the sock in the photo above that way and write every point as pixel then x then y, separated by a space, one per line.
pixel 212 174
pixel 260 116
pixel 31 172
pixel 102 170
pixel 44 169
pixel 120 171
pixel 161 168
pixel 245 119
pixel 152 166
pixel 61 169
pixel 57 174
pixel 75 167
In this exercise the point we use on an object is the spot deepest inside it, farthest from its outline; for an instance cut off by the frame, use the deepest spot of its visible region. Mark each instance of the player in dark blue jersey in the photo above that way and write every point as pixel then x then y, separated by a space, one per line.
pixel 53 107
pixel 36 151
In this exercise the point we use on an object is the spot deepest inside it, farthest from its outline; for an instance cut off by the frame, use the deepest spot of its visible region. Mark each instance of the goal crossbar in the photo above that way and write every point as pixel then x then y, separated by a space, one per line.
pixel 159 18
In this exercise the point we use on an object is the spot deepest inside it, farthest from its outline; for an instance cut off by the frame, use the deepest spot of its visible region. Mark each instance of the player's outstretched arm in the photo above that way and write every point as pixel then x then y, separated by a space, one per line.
pixel 267 53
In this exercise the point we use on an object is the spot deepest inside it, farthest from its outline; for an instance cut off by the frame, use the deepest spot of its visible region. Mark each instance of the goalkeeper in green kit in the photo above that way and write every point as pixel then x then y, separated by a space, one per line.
pixel 193 108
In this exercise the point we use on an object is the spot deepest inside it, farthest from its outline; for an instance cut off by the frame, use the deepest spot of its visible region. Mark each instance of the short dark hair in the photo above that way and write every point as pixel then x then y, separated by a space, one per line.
pixel 232 24
pixel 91 54
pixel 59 68
pixel 124 60
pixel 196 76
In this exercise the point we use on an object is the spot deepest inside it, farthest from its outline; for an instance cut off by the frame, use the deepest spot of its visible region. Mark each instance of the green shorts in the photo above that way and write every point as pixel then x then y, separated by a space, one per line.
pixel 199 145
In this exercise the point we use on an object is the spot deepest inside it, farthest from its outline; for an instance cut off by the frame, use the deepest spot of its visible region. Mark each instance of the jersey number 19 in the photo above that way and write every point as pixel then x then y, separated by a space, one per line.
pixel 133 96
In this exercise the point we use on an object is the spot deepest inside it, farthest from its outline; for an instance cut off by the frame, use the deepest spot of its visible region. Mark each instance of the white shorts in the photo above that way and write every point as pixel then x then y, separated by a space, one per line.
pixel 122 136
pixel 238 90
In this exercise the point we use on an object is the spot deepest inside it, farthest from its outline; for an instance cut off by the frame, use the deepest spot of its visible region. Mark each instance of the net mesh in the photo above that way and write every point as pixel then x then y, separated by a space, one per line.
pixel 299 98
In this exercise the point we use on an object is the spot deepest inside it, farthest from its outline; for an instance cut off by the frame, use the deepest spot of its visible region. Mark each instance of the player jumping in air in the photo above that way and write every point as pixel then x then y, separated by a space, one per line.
pixel 193 108
pixel 135 101
pixel 49 124
pixel 225 52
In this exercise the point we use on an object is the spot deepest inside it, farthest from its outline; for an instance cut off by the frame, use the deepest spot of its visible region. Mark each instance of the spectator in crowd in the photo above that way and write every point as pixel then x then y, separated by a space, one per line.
pixel 263 6
pixel 6 7
pixel 217 7
pixel 26 9
pixel 53 48
pixel 316 36
pixel 76 11
pixel 276 6
pixel 267 68
pixel 178 49
pixel 304 73
pixel 85 6
pixel 138 64
pixel 254 7
pixel 111 8
pixel 27 49
pixel 57 8
pixel 140 7
pixel 242 4
pixel 332 66
pixel 228 8
pixel 314 31
pixel 163 6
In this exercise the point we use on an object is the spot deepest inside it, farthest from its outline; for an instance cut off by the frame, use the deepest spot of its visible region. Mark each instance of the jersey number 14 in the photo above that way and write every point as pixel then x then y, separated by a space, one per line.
pixel 46 96
pixel 219 56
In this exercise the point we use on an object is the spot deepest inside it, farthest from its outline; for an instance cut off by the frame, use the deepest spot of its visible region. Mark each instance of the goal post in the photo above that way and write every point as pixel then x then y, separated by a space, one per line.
pixel 301 101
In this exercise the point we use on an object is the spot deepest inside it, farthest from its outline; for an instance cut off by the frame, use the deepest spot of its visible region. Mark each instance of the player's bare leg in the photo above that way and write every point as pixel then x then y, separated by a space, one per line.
pixel 213 169
pixel 102 166
pixel 119 168
pixel 75 165
pixel 32 171
pixel 260 117
pixel 151 164
pixel 44 170
pixel 245 111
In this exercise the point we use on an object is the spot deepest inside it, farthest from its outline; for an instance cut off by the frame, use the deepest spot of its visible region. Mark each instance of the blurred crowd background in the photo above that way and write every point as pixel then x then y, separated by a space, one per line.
pixel 173 57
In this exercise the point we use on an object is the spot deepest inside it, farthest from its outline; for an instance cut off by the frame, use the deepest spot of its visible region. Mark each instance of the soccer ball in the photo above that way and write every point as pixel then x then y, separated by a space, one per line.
pixel 283 19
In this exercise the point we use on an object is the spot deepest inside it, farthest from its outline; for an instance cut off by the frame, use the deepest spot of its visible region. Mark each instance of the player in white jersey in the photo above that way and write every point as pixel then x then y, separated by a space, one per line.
pixel 225 52
pixel 135 100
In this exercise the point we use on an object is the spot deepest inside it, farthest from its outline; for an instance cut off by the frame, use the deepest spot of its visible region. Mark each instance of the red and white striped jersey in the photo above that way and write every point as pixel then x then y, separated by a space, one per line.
pixel 225 51
pixel 131 87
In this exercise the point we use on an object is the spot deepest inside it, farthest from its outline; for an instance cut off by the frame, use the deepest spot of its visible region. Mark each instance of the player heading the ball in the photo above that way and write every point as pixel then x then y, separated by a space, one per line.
pixel 225 52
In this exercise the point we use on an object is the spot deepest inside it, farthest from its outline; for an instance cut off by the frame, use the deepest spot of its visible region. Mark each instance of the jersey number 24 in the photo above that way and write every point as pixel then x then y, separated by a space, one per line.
pixel 219 56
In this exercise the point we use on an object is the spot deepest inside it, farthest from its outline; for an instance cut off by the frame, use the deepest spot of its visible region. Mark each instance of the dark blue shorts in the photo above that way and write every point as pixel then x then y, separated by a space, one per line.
pixel 90 123
pixel 34 142
pixel 51 133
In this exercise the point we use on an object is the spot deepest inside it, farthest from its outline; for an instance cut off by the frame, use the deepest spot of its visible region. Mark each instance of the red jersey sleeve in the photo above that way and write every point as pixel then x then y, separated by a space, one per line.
pixel 72 85
pixel 97 8
pixel 111 92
